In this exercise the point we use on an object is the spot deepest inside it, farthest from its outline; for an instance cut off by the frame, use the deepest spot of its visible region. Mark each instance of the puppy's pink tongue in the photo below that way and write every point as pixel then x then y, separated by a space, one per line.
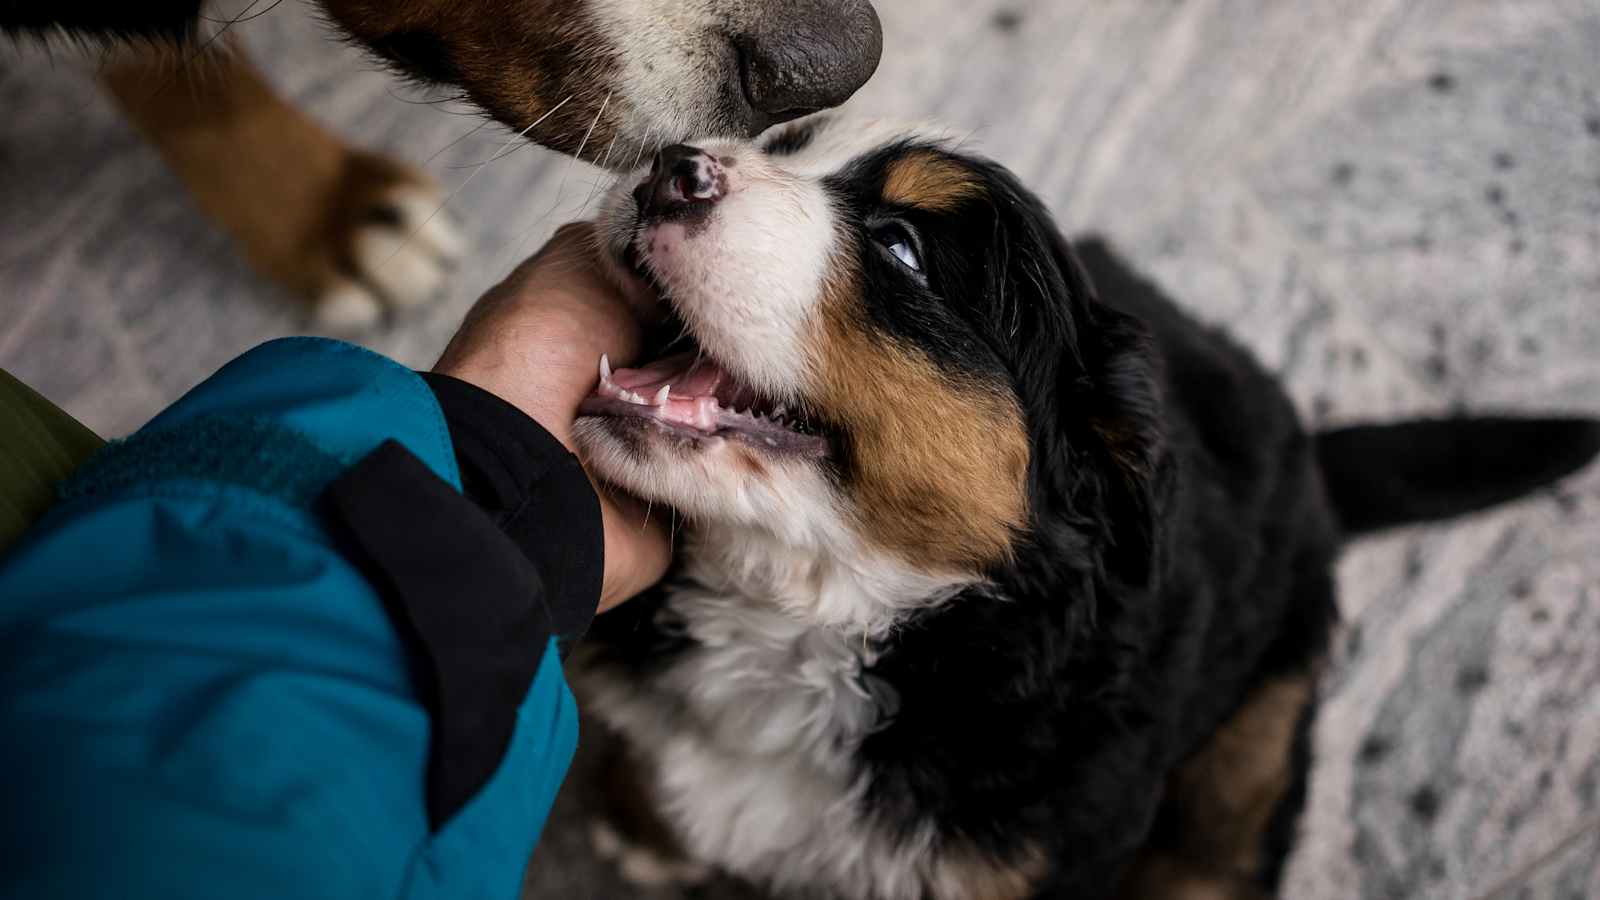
pixel 675 389
pixel 686 377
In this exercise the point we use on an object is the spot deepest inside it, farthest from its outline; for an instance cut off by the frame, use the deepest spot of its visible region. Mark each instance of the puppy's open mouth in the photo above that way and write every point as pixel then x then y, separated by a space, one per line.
pixel 687 394
pixel 691 396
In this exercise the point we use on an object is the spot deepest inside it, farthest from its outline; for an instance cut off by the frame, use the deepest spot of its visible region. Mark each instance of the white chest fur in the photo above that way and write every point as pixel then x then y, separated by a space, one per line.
pixel 749 739
pixel 750 734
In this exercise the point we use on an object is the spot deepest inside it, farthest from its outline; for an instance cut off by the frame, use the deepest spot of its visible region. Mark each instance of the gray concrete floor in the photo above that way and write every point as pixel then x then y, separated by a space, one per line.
pixel 1396 203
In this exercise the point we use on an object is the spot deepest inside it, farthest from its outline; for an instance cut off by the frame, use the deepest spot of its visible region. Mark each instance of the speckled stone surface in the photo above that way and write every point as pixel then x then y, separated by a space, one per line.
pixel 1396 203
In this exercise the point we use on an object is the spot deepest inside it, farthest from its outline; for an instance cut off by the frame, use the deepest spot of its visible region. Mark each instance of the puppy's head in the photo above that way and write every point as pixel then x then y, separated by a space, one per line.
pixel 889 355
pixel 623 74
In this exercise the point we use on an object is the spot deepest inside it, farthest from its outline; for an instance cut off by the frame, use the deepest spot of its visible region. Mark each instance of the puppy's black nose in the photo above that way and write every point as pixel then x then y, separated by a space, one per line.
pixel 680 177
pixel 808 55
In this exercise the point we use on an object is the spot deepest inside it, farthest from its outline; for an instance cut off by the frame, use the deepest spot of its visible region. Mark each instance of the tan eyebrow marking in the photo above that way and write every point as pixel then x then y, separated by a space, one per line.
pixel 929 180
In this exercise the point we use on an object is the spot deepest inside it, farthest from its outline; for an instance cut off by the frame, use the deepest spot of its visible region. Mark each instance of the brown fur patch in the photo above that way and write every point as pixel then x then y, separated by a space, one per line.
pixel 291 193
pixel 936 466
pixel 977 876
pixel 1229 790
pixel 1161 876
pixel 517 64
pixel 1224 797
pixel 929 180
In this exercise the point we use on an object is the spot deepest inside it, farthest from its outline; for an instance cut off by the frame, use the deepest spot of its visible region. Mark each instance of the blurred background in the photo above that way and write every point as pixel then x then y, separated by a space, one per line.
pixel 1396 204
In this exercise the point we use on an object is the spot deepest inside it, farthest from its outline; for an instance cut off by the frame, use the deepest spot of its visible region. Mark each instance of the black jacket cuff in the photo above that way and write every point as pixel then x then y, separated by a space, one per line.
pixel 535 491
pixel 475 582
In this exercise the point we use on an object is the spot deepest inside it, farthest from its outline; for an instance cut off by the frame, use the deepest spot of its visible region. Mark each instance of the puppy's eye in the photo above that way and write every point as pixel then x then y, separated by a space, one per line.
pixel 897 239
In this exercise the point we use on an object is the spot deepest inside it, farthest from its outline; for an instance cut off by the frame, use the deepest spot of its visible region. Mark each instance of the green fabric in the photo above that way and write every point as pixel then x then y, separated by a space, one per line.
pixel 39 447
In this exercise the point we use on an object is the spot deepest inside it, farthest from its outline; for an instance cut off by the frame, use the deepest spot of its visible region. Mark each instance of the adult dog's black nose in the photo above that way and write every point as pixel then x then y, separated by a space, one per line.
pixel 806 56
pixel 681 177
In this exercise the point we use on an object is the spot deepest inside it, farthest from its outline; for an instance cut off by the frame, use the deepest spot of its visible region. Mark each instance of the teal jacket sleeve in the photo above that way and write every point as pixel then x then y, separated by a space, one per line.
pixel 254 649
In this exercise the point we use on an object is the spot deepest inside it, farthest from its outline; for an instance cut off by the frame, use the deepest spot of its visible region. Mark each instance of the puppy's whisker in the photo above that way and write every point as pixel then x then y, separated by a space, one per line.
pixel 566 175
pixel 439 152
pixel 506 149
pixel 640 154
pixel 595 185
pixel 184 62
pixel 436 102
pixel 682 338
pixel 411 236
pixel 244 16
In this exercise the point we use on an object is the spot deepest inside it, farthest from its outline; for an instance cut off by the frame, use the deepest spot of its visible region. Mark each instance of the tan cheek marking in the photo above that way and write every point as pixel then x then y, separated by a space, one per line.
pixel 928 181
pixel 937 468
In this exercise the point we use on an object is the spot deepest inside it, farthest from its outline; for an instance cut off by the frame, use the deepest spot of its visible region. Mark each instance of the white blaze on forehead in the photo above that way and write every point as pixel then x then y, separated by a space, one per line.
pixel 749 278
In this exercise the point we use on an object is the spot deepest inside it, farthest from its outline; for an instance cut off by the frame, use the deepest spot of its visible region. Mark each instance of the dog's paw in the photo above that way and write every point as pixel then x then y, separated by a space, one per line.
pixel 644 866
pixel 393 247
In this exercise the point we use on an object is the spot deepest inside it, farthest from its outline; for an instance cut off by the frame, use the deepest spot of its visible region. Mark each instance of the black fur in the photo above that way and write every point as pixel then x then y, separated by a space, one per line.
pixel 1386 475
pixel 1179 553
pixel 791 139
pixel 419 55
pixel 167 20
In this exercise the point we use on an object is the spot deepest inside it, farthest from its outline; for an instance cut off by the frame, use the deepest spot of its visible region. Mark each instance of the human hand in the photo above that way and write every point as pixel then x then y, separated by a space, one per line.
pixel 535 340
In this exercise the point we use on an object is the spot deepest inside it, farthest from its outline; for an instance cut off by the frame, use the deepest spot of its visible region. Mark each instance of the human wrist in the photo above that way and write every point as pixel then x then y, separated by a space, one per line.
pixel 544 362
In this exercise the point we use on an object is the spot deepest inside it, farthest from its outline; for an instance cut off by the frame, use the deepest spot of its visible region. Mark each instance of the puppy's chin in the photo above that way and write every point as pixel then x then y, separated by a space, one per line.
pixel 712 481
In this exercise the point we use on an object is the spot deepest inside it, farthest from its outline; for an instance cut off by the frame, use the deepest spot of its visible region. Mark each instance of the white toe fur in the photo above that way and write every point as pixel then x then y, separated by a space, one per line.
pixel 407 263
pixel 347 308
pixel 422 212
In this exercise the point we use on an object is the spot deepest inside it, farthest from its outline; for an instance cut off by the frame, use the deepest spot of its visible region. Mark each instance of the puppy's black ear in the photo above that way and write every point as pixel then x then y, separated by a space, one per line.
pixel 1123 408
pixel 1089 380
pixel 1112 466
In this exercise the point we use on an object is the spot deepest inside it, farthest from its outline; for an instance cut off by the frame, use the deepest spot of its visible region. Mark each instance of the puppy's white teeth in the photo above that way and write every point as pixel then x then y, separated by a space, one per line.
pixel 605 368
pixel 663 395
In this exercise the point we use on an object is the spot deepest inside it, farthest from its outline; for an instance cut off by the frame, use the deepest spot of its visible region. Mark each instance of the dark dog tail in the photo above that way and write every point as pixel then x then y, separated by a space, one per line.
pixel 1379 476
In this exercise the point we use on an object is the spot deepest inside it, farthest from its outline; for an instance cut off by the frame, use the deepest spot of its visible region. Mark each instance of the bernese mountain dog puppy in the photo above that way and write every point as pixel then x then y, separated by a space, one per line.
pixel 1000 576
